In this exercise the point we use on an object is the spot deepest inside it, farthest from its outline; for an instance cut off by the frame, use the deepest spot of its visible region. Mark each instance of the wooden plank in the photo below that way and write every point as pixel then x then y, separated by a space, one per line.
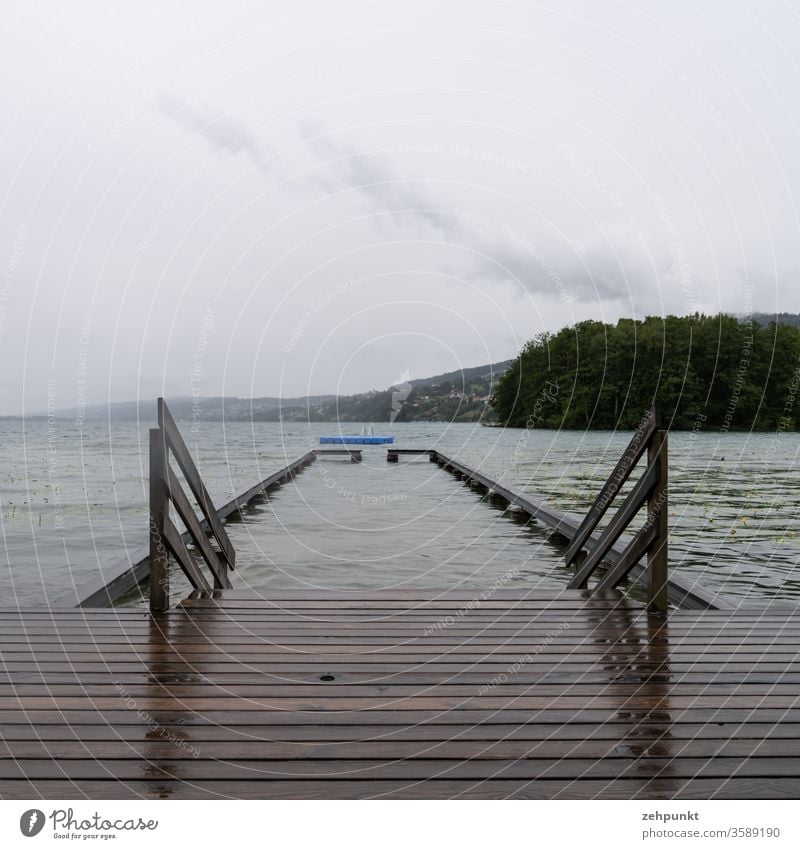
pixel 354 453
pixel 431 595
pixel 531 593
pixel 540 677
pixel 657 511
pixel 449 620
pixel 286 667
pixel 201 610
pixel 627 787
pixel 433 672
pixel 171 746
pixel 549 632
pixel 578 646
pixel 406 703
pixel 357 655
pixel 636 549
pixel 429 621
pixel 461 692
pixel 562 602
pixel 297 646
pixel 159 516
pixel 393 454
pixel 431 626
pixel 386 718
pixel 190 769
pixel 179 551
pixel 458 616
pixel 560 634
pixel 505 686
pixel 679 733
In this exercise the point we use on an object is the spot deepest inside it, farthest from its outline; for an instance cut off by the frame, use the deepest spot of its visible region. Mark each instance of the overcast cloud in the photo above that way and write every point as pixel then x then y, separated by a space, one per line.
pixel 258 199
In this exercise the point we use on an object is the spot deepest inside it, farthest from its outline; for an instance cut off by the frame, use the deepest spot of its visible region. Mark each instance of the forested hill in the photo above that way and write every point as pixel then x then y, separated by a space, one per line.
pixel 738 374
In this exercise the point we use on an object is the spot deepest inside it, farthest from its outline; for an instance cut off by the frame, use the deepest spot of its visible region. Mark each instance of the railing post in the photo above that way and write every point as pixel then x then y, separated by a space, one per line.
pixel 657 514
pixel 159 507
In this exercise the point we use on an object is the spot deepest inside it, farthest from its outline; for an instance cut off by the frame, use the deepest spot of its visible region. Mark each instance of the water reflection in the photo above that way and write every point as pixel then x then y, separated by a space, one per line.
pixel 638 664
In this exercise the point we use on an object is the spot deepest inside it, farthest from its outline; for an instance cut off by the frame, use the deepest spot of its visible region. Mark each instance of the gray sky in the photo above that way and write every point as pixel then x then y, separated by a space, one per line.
pixel 266 198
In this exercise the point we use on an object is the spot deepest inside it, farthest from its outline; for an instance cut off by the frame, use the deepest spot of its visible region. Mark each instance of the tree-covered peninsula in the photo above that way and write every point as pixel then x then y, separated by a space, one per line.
pixel 716 372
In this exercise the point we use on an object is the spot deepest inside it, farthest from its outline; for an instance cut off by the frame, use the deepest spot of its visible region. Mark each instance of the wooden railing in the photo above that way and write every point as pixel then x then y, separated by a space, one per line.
pixel 165 539
pixel 650 539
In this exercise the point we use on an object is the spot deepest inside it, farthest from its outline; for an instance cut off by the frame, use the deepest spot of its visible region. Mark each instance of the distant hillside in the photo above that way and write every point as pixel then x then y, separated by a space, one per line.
pixel 458 396
pixel 455 396
pixel 465 376
pixel 790 318
pixel 208 409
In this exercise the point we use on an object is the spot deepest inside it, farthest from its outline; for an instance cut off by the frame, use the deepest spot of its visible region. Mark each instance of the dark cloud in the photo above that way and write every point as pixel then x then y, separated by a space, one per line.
pixel 342 167
pixel 609 264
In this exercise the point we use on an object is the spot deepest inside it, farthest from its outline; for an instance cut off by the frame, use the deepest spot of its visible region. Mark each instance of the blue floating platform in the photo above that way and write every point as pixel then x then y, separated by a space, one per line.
pixel 355 440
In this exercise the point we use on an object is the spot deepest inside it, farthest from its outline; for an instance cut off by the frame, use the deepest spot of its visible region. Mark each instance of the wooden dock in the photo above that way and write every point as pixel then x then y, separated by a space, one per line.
pixel 504 692
pixel 400 694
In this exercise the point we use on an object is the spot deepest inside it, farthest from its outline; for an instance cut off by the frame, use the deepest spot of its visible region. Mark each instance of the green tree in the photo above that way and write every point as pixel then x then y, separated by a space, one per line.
pixel 738 374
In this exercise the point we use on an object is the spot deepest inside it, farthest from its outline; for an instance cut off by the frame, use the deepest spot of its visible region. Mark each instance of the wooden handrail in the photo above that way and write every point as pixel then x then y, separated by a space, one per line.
pixel 174 441
pixel 651 539
pixel 615 528
pixel 165 539
pixel 622 471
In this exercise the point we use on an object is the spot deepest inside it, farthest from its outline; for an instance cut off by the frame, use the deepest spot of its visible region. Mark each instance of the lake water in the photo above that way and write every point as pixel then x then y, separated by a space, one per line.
pixel 75 500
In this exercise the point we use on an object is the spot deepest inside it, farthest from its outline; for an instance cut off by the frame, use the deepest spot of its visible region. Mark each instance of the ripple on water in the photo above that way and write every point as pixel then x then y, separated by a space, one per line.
pixel 734 521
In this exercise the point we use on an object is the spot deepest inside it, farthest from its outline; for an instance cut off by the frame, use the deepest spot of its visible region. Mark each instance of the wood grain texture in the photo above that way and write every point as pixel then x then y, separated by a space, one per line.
pixel 400 694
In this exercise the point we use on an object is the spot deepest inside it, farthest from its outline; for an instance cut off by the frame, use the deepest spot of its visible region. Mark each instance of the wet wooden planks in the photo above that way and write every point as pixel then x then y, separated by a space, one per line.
pixel 403 693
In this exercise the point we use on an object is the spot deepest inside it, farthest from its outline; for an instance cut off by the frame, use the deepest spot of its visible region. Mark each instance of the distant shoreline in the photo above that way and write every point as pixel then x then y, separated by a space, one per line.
pixel 348 425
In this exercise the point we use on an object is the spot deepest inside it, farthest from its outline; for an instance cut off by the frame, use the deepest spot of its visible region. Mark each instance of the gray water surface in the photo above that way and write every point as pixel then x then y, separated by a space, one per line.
pixel 74 500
